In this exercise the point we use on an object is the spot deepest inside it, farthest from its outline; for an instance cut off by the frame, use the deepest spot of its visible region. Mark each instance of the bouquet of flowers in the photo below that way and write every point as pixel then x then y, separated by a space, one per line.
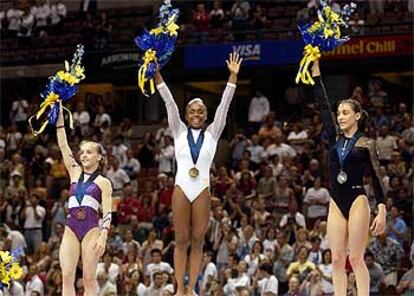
pixel 325 34
pixel 60 88
pixel 158 46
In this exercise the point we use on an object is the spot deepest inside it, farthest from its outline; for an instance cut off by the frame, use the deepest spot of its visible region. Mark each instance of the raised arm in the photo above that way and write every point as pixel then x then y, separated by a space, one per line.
pixel 174 120
pixel 71 164
pixel 322 97
pixel 217 127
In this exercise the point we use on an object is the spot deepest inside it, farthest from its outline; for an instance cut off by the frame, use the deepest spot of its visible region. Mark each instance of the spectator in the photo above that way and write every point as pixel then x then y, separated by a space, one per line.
pixel 13 138
pixel 103 34
pixel 294 287
pixel 209 271
pixel 163 131
pixel 377 96
pixel 239 280
pixel 388 254
pixel 258 111
pixel 312 285
pixel 58 17
pixel 268 284
pixel 254 258
pixel 259 20
pixel 33 215
pixel 406 285
pixel 269 129
pixel 317 200
pixel 157 265
pixel 146 151
pixel 397 227
pixel 239 16
pixel 386 144
pixel 376 274
pixel 315 253
pixel 108 268
pixel 165 157
pixel 201 18
pixel 13 16
pixel 216 16
pixel 118 177
pixel 101 117
pixel 302 267
pixel 132 165
pixel 238 145
pixel 285 205
pixel 284 150
pixel 42 13
pixel 81 119
pixel 105 286
pixel 156 289
pixel 326 272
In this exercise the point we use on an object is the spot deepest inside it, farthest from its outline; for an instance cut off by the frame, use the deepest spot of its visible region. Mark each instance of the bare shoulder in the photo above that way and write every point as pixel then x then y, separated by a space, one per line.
pixel 104 183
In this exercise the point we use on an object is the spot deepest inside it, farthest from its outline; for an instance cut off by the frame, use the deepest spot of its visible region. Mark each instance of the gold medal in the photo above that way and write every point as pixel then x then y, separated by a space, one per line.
pixel 193 172
pixel 80 214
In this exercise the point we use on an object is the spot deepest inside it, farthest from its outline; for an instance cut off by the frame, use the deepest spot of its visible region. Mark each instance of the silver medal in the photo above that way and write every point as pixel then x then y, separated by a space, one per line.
pixel 342 177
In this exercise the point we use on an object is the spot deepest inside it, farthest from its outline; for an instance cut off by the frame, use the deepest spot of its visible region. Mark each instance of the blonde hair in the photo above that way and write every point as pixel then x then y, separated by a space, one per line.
pixel 101 151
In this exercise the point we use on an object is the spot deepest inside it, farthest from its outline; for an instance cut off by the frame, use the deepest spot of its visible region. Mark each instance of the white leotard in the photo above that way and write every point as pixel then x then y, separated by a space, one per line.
pixel 192 187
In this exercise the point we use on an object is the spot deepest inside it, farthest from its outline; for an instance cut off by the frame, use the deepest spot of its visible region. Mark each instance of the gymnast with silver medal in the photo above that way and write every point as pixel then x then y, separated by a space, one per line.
pixel 195 148
pixel 343 148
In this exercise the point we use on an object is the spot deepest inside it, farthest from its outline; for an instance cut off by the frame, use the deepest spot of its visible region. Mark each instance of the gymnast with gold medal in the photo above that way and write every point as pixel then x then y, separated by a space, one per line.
pixel 195 147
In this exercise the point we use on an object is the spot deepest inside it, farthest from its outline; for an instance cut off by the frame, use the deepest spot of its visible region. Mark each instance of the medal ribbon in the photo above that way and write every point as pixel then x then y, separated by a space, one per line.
pixel 343 150
pixel 81 187
pixel 195 148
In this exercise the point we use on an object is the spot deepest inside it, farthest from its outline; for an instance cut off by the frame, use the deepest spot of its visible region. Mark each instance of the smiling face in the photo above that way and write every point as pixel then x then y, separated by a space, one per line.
pixel 89 155
pixel 347 117
pixel 196 114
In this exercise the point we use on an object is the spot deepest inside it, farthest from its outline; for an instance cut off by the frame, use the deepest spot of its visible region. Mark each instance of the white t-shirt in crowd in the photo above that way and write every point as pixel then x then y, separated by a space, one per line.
pixel 35 285
pixel 153 267
pixel 30 221
pixel 13 18
pixel 270 284
pixel 210 270
pixel 320 195
pixel 118 178
pixel 113 271
pixel 258 109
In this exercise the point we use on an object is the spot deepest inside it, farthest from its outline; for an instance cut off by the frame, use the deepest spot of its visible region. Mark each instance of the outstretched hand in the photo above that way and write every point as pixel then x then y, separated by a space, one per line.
pixel 233 63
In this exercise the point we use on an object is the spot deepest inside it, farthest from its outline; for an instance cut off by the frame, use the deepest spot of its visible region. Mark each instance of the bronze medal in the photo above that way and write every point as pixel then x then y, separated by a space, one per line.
pixel 193 172
pixel 80 214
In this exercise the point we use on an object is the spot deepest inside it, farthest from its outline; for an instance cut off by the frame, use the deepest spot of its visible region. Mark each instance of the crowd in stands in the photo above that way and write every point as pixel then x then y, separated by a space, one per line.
pixel 31 24
pixel 201 21
pixel 267 232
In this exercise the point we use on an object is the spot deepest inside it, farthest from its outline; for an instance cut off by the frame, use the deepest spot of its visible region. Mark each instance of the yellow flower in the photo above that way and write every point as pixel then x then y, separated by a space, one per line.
pixel 4 277
pixel 6 258
pixel 156 31
pixel 69 78
pixel 16 271
pixel 172 27
pixel 79 72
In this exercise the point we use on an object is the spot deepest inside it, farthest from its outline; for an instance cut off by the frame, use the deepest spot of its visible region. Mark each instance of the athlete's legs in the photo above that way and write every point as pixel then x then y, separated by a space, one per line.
pixel 90 261
pixel 68 257
pixel 200 214
pixel 358 227
pixel 181 209
pixel 337 229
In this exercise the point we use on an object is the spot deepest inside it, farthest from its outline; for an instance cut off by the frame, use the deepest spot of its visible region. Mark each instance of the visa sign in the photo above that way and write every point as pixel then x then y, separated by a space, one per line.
pixel 249 52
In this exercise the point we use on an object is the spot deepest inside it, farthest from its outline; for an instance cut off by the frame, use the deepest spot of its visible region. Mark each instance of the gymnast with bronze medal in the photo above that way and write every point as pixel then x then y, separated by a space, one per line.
pixel 90 193
pixel 194 152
